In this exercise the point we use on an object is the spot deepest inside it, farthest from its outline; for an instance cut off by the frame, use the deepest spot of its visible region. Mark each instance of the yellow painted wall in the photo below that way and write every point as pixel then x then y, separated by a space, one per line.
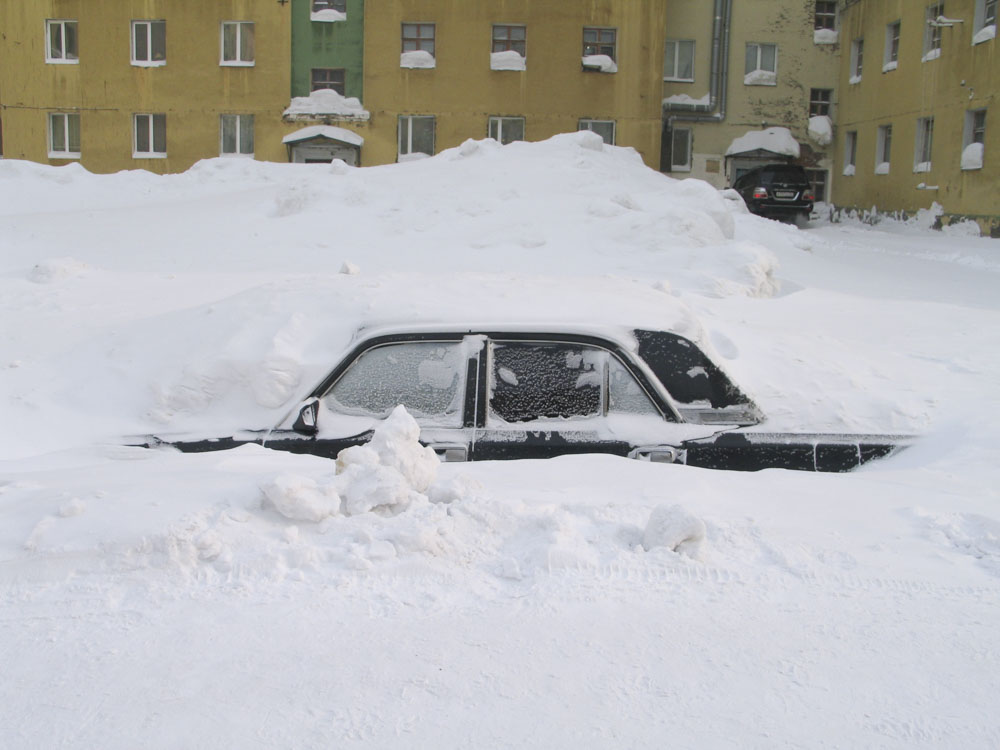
pixel 801 66
pixel 552 94
pixel 964 77
pixel 192 89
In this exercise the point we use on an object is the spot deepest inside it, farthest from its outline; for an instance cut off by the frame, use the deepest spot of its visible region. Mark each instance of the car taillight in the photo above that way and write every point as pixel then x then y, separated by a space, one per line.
pixel 808 196
pixel 759 192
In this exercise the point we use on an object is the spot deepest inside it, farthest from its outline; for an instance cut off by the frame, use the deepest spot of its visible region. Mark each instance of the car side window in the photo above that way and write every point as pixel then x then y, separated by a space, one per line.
pixel 625 395
pixel 427 377
pixel 532 381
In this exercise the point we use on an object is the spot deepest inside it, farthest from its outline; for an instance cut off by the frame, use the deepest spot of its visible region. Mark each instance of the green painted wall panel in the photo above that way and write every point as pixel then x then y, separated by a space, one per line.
pixel 321 44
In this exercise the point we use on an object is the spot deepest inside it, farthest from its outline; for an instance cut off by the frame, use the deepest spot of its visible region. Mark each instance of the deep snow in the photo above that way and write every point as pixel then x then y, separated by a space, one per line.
pixel 253 598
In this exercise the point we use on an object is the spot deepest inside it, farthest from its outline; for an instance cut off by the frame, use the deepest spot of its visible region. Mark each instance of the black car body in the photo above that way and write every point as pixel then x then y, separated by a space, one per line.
pixel 485 395
pixel 780 191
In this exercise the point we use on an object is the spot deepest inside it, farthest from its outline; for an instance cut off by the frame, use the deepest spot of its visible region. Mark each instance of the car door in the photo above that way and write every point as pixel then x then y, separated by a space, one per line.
pixel 545 396
pixel 434 376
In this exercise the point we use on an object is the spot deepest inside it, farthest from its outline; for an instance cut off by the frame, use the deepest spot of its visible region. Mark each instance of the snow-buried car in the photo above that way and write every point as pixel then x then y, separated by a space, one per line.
pixel 532 393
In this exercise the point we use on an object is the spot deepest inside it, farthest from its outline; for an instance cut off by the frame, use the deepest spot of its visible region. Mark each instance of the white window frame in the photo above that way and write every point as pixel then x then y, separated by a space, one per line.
pixel 237 62
pixel 588 124
pixel 687 134
pixel 495 127
pixel 675 59
pixel 932 32
pixel 237 121
pixel 857 59
pixel 883 149
pixel 982 20
pixel 850 152
pixel 890 53
pixel 61 23
pixel 150 126
pixel 758 48
pixel 65 152
pixel 409 119
pixel 150 63
pixel 923 148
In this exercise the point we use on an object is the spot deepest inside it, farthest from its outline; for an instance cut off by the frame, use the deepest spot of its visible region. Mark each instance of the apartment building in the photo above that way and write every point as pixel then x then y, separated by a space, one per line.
pixel 149 84
pixel 438 73
pixel 919 111
pixel 745 83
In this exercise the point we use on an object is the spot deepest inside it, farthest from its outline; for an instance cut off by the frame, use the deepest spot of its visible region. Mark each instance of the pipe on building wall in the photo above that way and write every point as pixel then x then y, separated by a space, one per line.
pixel 718 87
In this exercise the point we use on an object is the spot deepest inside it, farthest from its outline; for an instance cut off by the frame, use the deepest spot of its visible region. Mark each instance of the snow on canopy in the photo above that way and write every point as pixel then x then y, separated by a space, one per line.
pixel 325 131
pixel 326 102
pixel 776 140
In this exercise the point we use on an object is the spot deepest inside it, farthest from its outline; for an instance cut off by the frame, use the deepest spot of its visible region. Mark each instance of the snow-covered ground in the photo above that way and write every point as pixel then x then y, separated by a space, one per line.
pixel 250 598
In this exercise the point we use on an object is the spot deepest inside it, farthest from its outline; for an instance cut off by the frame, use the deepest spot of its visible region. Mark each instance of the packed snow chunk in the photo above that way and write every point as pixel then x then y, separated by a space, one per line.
pixel 589 140
pixel 849 170
pixel 509 59
pixel 963 228
pixel 760 78
pixel 673 527
pixel 302 499
pixel 824 36
pixel 397 443
pixel 687 101
pixel 972 156
pixel 419 58
pixel 776 140
pixel 985 34
pixel 327 15
pixel 350 269
pixel 356 455
pixel 602 63
pixel 326 102
pixel 821 130
pixel 56 269
pixel 375 488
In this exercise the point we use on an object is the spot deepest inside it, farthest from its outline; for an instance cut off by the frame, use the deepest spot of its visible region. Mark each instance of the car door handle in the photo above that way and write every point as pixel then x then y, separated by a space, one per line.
pixel 660 454
pixel 451 451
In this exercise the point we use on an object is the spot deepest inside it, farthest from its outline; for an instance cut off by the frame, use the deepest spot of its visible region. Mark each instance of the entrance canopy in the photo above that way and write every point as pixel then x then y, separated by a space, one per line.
pixel 324 143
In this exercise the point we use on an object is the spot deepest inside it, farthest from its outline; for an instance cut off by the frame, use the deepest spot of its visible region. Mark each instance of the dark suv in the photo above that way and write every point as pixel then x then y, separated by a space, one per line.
pixel 779 191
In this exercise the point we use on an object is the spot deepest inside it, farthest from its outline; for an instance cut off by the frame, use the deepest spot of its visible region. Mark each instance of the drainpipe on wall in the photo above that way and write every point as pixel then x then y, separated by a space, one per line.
pixel 718 89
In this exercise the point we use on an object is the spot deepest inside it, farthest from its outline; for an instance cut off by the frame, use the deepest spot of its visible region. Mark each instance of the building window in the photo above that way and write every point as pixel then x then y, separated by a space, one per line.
pixel 817 181
pixel 237 43
pixel 600 42
pixel 506 129
pixel 857 59
pixel 236 135
pixel 61 44
pixel 974 139
pixel 64 136
pixel 418 36
pixel 932 32
pixel 890 57
pixel 328 78
pixel 604 128
pixel 819 102
pixel 337 5
pixel 150 137
pixel 850 152
pixel 826 14
pixel 506 38
pixel 416 135
pixel 149 43
pixel 680 150
pixel 761 65
pixel 883 149
pixel 678 60
pixel 985 17
pixel 925 141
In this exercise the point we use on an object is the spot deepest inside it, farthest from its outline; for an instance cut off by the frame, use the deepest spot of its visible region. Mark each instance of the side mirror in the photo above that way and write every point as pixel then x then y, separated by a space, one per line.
pixel 307 419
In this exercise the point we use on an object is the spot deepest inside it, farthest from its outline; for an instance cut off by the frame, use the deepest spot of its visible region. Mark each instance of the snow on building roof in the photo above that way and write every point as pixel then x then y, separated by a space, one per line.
pixel 325 102
pixel 324 131
pixel 776 140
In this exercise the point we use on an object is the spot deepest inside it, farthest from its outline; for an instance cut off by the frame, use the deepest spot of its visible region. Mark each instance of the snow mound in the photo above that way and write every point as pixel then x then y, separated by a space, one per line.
pixel 675 528
pixel 56 269
pixel 602 63
pixel 509 59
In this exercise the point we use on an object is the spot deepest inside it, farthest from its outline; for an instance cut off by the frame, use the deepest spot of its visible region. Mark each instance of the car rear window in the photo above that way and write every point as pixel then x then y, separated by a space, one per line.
pixel 783 174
